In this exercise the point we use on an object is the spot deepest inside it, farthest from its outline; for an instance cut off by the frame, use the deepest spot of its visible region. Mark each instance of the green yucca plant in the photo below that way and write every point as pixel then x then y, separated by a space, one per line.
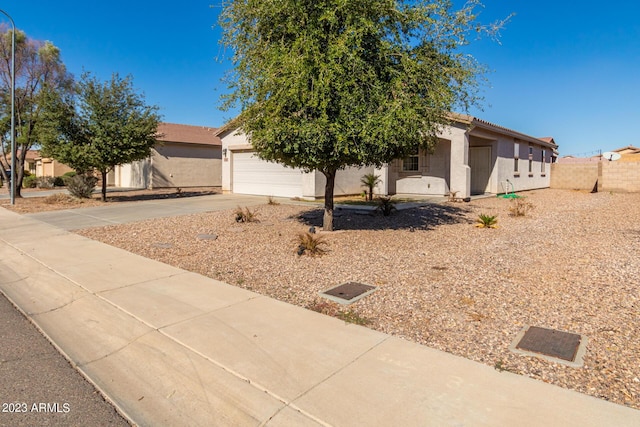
pixel 487 221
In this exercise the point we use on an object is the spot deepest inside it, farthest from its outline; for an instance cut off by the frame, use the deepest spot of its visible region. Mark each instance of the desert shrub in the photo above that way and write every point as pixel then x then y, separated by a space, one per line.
pixel 272 201
pixel 520 207
pixel 29 181
pixel 487 221
pixel 82 186
pixel 45 182
pixel 58 181
pixel 311 244
pixel 67 176
pixel 385 205
pixel 246 215
pixel 61 198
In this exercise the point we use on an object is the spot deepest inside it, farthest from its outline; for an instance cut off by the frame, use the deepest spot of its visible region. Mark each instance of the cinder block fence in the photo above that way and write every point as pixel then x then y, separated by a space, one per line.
pixel 606 175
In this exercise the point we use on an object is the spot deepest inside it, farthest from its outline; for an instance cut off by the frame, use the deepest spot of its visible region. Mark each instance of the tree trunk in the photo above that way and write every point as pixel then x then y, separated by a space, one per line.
pixel 327 221
pixel 104 185
pixel 19 176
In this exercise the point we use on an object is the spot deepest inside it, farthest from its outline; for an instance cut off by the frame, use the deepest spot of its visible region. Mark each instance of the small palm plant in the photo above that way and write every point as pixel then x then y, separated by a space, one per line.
pixel 487 221
pixel 386 206
pixel 369 181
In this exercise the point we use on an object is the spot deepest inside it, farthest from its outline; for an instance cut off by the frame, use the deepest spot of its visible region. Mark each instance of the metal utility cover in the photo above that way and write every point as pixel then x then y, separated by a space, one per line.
pixel 549 342
pixel 348 293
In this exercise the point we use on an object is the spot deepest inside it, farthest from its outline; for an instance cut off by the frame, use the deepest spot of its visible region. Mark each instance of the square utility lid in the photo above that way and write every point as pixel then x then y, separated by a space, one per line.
pixel 348 293
pixel 556 346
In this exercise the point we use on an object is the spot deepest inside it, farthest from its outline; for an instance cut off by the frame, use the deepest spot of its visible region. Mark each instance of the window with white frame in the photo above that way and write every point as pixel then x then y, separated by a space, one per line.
pixel 516 158
pixel 544 160
pixel 411 163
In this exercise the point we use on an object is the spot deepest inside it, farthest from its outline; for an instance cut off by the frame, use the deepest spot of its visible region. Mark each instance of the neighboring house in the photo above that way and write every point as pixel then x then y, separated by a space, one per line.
pixel 627 154
pixel 472 157
pixel 29 161
pixel 50 167
pixel 187 156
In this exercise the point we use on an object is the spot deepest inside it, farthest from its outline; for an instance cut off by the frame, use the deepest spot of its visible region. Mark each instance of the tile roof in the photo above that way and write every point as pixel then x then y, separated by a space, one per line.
pixel 474 121
pixel 172 132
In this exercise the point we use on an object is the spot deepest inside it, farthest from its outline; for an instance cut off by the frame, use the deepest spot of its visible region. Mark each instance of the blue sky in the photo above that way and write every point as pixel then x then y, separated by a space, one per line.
pixel 563 68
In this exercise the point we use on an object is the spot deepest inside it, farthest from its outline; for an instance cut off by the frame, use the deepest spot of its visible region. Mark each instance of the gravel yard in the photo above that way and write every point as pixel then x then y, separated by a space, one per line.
pixel 571 264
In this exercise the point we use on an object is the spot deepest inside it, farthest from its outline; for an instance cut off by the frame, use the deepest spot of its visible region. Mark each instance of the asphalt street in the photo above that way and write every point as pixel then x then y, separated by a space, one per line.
pixel 38 386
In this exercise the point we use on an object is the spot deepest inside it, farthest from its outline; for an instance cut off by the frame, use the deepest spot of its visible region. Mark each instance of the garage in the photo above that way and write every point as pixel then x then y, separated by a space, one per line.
pixel 252 175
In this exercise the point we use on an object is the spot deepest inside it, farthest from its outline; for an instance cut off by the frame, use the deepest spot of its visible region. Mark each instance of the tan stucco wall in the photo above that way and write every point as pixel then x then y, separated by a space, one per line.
pixel 186 165
pixel 431 179
pixel 347 181
pixel 229 140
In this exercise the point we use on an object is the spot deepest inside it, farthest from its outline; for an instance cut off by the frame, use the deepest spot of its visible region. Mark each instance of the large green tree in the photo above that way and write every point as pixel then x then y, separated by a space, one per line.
pixel 327 84
pixel 38 66
pixel 104 125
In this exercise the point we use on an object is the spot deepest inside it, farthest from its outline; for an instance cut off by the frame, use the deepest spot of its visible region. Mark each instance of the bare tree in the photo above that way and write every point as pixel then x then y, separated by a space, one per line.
pixel 38 68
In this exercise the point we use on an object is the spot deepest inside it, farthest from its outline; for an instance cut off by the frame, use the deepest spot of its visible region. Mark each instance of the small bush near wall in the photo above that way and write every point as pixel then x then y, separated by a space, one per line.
pixel 29 181
pixel 45 182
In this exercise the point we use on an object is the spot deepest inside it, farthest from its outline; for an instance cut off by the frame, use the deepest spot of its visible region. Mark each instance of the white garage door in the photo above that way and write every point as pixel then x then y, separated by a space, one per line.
pixel 252 175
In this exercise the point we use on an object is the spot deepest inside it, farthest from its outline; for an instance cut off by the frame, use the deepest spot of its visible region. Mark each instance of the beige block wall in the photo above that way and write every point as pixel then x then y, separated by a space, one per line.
pixel 574 176
pixel 610 176
pixel 619 176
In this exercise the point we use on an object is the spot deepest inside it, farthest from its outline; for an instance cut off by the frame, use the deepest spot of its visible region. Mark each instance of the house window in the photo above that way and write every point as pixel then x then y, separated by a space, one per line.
pixel 516 158
pixel 530 160
pixel 544 160
pixel 411 163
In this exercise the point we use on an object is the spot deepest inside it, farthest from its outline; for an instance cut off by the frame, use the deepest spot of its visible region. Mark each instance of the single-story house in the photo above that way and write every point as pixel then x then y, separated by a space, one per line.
pixel 29 160
pixel 473 156
pixel 186 156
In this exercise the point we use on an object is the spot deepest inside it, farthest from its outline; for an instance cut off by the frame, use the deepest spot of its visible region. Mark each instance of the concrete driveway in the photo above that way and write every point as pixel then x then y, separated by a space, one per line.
pixel 121 213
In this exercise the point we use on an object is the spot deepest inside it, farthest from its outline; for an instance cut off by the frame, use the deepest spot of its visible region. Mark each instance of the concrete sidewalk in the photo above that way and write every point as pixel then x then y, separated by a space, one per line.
pixel 170 347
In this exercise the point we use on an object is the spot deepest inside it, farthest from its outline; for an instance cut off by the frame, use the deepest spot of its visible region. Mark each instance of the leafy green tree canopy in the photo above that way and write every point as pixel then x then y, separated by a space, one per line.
pixel 327 84
pixel 103 126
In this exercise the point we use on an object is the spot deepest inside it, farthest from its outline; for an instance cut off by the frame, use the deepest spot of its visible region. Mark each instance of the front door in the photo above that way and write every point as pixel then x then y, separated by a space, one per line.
pixel 480 164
